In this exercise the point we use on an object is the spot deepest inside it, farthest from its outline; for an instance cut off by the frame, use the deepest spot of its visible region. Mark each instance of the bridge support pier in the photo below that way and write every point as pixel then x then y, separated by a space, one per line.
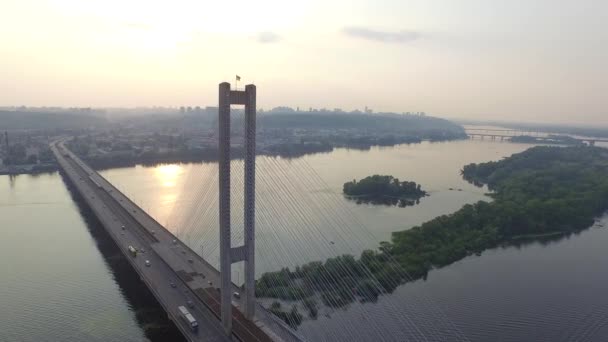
pixel 246 253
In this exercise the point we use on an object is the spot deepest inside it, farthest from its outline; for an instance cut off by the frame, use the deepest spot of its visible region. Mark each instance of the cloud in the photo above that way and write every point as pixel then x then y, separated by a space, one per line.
pixel 398 37
pixel 267 37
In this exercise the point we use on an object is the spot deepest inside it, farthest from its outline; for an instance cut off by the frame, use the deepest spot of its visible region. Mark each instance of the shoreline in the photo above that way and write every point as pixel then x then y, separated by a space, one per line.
pixel 541 235
pixel 205 157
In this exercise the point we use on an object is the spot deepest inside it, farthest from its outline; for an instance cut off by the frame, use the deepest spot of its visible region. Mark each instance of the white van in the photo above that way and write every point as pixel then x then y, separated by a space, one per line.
pixel 187 317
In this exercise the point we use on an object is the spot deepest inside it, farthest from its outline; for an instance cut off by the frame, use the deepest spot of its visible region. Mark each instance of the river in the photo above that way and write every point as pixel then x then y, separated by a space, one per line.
pixel 62 284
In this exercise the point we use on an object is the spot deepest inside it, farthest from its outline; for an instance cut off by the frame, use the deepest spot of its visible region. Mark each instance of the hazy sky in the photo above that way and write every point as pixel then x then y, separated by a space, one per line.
pixel 512 60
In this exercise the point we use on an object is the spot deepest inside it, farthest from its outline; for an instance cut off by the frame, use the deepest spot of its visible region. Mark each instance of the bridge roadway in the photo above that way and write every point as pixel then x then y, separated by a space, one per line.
pixel 171 261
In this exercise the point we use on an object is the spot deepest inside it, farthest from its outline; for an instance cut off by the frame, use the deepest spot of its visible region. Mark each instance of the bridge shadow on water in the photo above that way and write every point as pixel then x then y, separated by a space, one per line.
pixel 149 314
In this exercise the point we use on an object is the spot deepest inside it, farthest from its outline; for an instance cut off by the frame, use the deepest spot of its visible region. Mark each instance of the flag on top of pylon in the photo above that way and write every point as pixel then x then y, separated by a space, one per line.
pixel 238 78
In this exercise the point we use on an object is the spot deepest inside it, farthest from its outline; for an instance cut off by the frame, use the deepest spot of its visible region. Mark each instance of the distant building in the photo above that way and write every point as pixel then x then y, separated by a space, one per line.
pixel 282 109
pixel 31 153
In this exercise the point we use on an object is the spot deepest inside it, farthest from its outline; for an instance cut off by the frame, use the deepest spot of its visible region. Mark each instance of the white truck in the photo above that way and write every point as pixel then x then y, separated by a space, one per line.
pixel 188 318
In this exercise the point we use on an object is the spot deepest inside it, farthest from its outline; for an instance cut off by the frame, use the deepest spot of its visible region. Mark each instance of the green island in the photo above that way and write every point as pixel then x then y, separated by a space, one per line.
pixel 386 190
pixel 540 192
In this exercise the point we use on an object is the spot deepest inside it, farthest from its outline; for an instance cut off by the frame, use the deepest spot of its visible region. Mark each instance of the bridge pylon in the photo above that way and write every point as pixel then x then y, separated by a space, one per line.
pixel 246 252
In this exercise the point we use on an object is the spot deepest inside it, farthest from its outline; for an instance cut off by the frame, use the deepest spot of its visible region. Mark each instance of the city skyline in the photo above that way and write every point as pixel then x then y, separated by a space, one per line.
pixel 516 61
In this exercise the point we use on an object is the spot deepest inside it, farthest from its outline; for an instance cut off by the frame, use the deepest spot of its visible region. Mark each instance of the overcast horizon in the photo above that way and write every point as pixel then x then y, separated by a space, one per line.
pixel 533 61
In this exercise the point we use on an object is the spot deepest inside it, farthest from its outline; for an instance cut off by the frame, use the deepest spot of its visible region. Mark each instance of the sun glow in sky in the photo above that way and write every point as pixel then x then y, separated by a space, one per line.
pixel 490 59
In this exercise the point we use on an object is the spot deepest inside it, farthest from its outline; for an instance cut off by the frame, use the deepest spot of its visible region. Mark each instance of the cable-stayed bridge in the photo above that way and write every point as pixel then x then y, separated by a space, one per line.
pixel 176 275
pixel 191 265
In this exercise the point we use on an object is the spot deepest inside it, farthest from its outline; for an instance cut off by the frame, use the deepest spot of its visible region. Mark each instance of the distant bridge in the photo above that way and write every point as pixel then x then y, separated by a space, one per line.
pixel 508 134
pixel 504 132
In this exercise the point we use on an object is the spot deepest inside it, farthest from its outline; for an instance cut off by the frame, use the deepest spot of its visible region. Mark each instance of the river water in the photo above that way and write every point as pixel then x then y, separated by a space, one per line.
pixel 59 280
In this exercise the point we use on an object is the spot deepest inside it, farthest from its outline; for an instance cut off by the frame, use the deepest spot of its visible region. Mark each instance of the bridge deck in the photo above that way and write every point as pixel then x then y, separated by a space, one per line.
pixel 510 133
pixel 171 260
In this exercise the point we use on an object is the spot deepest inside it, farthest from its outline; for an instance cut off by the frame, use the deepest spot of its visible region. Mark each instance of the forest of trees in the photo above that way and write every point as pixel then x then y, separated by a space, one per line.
pixel 378 189
pixel 541 191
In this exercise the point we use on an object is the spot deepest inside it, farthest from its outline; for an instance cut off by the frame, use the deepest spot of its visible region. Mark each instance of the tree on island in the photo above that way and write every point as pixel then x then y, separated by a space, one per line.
pixel 378 189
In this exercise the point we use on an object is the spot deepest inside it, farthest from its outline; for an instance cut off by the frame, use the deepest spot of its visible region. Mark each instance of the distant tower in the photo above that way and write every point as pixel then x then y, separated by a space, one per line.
pixel 246 253
pixel 8 149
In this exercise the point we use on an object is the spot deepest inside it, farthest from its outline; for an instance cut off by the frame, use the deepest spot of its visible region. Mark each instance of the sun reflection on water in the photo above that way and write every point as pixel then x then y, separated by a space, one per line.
pixel 168 174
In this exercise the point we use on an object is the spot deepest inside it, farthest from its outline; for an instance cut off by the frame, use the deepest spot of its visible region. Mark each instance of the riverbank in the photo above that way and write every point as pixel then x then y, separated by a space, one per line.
pixel 537 236
pixel 33 169
pixel 210 154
